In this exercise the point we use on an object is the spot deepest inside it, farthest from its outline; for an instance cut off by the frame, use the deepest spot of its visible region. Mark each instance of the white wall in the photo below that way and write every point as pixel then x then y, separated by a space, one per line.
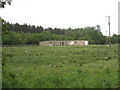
pixel 71 43
pixel 86 42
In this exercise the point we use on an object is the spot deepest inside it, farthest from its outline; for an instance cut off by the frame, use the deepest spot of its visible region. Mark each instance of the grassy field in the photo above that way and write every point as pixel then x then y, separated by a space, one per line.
pixel 93 66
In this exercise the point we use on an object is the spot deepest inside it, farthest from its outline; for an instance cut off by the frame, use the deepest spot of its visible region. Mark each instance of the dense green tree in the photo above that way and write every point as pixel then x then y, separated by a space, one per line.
pixel 32 39
pixel 30 34
pixel 11 38
pixel 114 39
pixel 98 28
pixel 68 38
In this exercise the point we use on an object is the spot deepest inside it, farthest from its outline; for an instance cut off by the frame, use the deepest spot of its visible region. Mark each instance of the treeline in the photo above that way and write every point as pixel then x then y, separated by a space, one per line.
pixel 30 34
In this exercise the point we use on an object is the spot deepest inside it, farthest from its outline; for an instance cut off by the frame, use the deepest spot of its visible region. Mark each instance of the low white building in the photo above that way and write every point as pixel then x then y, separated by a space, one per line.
pixel 64 42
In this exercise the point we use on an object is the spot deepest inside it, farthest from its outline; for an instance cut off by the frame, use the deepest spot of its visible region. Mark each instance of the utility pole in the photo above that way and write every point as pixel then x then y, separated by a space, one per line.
pixel 109 30
pixel 106 38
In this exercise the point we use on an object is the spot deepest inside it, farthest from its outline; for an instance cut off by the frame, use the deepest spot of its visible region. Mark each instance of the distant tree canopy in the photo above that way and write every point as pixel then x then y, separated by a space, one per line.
pixel 30 34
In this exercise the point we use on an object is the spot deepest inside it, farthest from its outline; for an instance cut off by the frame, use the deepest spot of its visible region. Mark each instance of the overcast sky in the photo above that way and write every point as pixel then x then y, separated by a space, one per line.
pixel 63 13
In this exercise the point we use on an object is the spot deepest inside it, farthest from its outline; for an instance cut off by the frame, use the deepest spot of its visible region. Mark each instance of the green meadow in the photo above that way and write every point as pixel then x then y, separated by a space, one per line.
pixel 92 66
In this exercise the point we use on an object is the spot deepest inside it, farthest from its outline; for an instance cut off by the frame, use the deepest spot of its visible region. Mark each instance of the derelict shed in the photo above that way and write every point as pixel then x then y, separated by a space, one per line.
pixel 64 42
pixel 52 43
